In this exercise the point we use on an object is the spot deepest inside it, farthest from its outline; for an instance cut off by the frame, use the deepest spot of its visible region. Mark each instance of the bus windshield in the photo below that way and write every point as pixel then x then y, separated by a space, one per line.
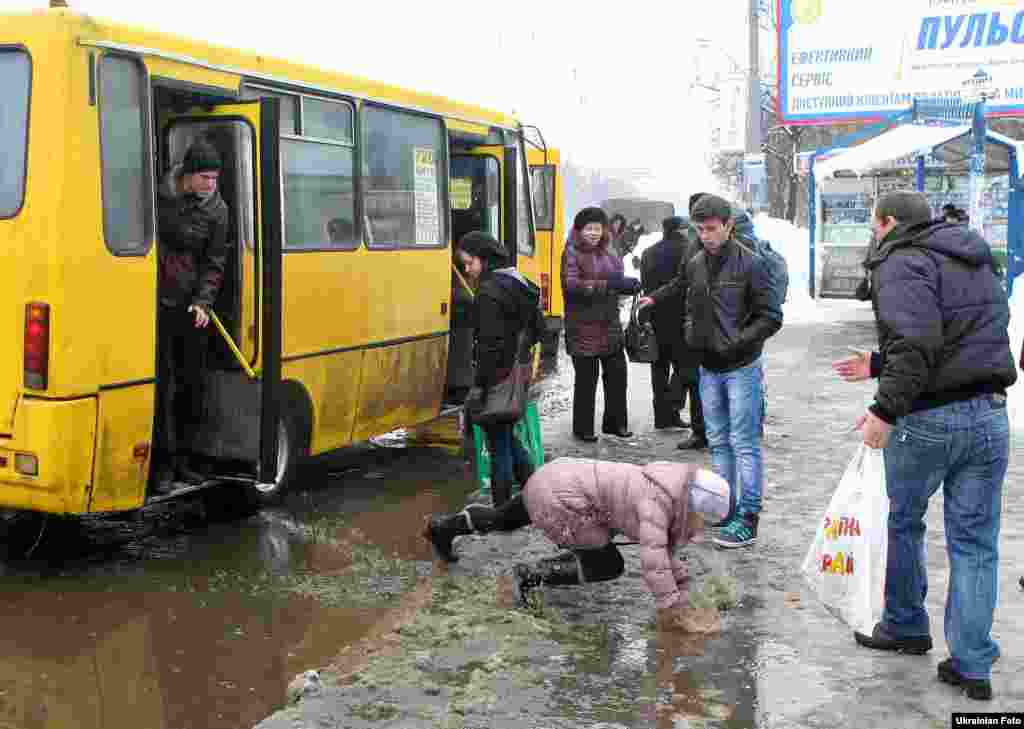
pixel 14 80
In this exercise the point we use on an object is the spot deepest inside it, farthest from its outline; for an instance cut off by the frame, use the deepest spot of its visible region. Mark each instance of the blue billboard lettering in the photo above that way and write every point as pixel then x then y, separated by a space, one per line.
pixel 973 30
pixel 928 36
pixel 1018 28
pixel 997 32
pixel 832 55
pixel 976 27
pixel 804 80
pixel 952 28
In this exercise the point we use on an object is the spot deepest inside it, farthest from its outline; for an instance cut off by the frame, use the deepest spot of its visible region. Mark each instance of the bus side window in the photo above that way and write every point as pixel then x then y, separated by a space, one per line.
pixel 125 147
pixel 543 183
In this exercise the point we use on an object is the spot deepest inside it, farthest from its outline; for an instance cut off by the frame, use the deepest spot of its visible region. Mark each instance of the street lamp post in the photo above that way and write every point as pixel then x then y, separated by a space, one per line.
pixel 978 89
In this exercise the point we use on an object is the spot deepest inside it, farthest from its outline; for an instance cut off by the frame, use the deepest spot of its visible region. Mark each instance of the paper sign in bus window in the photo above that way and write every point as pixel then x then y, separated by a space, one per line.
pixel 428 219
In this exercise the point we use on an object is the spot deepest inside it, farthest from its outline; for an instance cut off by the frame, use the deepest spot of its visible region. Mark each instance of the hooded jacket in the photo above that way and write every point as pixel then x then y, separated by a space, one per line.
pixel 942 316
pixel 592 324
pixel 193 245
pixel 506 303
pixel 576 502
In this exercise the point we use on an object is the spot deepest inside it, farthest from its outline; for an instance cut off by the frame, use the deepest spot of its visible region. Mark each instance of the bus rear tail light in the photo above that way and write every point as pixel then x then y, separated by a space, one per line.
pixel 26 464
pixel 545 291
pixel 37 345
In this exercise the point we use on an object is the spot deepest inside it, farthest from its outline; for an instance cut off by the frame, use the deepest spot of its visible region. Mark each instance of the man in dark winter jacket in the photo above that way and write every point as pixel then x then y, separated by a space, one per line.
pixel 943 367
pixel 193 250
pixel 658 267
pixel 730 312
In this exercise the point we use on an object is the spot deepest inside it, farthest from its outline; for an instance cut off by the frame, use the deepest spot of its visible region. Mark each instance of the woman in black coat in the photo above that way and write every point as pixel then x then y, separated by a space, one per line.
pixel 506 303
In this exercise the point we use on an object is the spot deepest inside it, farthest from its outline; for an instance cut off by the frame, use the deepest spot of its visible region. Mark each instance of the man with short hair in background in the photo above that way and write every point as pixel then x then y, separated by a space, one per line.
pixel 943 367
pixel 658 266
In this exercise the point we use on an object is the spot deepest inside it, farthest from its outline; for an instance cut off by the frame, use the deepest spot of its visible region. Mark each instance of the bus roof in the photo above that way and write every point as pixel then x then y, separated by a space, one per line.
pixel 89 31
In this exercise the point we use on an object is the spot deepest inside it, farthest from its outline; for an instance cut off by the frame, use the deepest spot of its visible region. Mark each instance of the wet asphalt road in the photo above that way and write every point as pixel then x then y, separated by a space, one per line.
pixel 780 659
pixel 194 616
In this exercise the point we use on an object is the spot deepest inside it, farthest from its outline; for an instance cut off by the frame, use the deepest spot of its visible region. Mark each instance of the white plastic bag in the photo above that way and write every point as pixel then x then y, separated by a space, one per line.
pixel 845 565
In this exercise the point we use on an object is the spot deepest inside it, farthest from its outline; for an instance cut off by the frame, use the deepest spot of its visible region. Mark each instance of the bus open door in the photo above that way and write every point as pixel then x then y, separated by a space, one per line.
pixel 245 437
pixel 489 191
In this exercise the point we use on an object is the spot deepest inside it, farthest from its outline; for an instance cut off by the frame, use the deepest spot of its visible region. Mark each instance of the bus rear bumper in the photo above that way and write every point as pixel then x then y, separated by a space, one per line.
pixel 61 437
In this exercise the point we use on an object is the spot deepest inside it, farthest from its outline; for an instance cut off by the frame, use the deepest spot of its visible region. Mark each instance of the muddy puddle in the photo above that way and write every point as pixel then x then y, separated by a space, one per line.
pixel 191 616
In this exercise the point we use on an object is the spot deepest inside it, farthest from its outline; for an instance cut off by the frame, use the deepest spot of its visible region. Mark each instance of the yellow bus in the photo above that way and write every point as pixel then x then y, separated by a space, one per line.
pixel 338 287
pixel 549 214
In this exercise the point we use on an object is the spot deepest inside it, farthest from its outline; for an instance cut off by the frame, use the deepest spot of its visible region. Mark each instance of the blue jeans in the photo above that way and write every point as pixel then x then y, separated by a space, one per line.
pixel 508 456
pixel 733 405
pixel 963 447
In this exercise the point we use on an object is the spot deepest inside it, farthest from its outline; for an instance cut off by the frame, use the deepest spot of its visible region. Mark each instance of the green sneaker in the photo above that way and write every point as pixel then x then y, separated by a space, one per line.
pixel 741 531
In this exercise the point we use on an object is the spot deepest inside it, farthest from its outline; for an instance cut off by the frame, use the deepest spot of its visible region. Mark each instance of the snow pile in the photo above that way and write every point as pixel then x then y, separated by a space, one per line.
pixel 645 242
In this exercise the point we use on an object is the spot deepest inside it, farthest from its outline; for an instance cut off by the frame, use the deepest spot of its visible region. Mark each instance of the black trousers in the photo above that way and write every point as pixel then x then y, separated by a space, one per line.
pixel 613 376
pixel 667 386
pixel 697 426
pixel 182 354
pixel 597 565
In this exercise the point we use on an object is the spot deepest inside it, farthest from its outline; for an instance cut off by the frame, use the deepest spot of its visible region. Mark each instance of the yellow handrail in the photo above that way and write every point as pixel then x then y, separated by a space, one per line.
pixel 458 275
pixel 231 344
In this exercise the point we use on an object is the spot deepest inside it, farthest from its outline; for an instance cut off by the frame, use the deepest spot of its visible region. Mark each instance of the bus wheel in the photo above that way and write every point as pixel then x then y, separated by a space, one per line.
pixel 290 449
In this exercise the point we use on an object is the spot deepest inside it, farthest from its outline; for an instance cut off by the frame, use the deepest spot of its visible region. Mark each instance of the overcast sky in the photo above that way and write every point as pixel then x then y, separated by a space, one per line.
pixel 611 89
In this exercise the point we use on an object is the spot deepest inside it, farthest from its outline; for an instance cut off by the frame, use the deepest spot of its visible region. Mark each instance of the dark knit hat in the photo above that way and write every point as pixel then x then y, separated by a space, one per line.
pixel 483 245
pixel 673 224
pixel 201 157
pixel 711 206
pixel 693 200
pixel 590 215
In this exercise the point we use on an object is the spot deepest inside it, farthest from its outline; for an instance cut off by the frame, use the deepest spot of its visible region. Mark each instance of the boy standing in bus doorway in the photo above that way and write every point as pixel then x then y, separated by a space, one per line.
pixel 193 250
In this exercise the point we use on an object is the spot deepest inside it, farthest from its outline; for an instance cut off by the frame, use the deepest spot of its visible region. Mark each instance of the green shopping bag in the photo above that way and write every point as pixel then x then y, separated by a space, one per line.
pixel 527 430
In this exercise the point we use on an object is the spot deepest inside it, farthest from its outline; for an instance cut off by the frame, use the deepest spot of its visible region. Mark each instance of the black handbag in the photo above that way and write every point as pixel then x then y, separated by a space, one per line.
pixel 641 344
pixel 505 402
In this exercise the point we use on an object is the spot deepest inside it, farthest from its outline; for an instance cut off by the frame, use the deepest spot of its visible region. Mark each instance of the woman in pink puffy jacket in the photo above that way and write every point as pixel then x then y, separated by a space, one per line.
pixel 578 503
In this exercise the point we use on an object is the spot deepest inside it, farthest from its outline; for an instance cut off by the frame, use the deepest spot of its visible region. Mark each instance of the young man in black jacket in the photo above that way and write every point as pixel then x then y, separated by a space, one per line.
pixel 193 251
pixel 943 366
pixel 731 310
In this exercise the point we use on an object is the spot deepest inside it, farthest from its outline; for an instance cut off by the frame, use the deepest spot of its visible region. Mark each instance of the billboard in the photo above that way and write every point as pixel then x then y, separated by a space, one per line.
pixel 842 60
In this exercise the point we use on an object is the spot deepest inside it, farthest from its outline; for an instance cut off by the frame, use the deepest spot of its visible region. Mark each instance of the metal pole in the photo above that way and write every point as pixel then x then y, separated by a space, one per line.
pixel 977 179
pixel 753 92
pixel 754 83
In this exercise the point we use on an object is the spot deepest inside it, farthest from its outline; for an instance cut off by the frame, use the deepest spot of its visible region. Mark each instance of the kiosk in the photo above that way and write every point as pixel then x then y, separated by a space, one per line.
pixel 929 147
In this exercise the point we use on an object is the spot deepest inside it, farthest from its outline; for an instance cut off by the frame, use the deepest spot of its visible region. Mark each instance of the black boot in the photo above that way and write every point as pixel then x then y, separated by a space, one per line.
pixel 442 530
pixel 562 569
pixel 523 473
pixel 501 491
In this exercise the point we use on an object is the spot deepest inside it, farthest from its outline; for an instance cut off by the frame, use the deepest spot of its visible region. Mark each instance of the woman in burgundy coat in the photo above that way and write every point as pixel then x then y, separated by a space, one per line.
pixel 593 281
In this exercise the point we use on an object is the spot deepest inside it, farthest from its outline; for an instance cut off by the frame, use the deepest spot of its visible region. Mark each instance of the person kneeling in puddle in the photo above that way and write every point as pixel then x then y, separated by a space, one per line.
pixel 579 503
